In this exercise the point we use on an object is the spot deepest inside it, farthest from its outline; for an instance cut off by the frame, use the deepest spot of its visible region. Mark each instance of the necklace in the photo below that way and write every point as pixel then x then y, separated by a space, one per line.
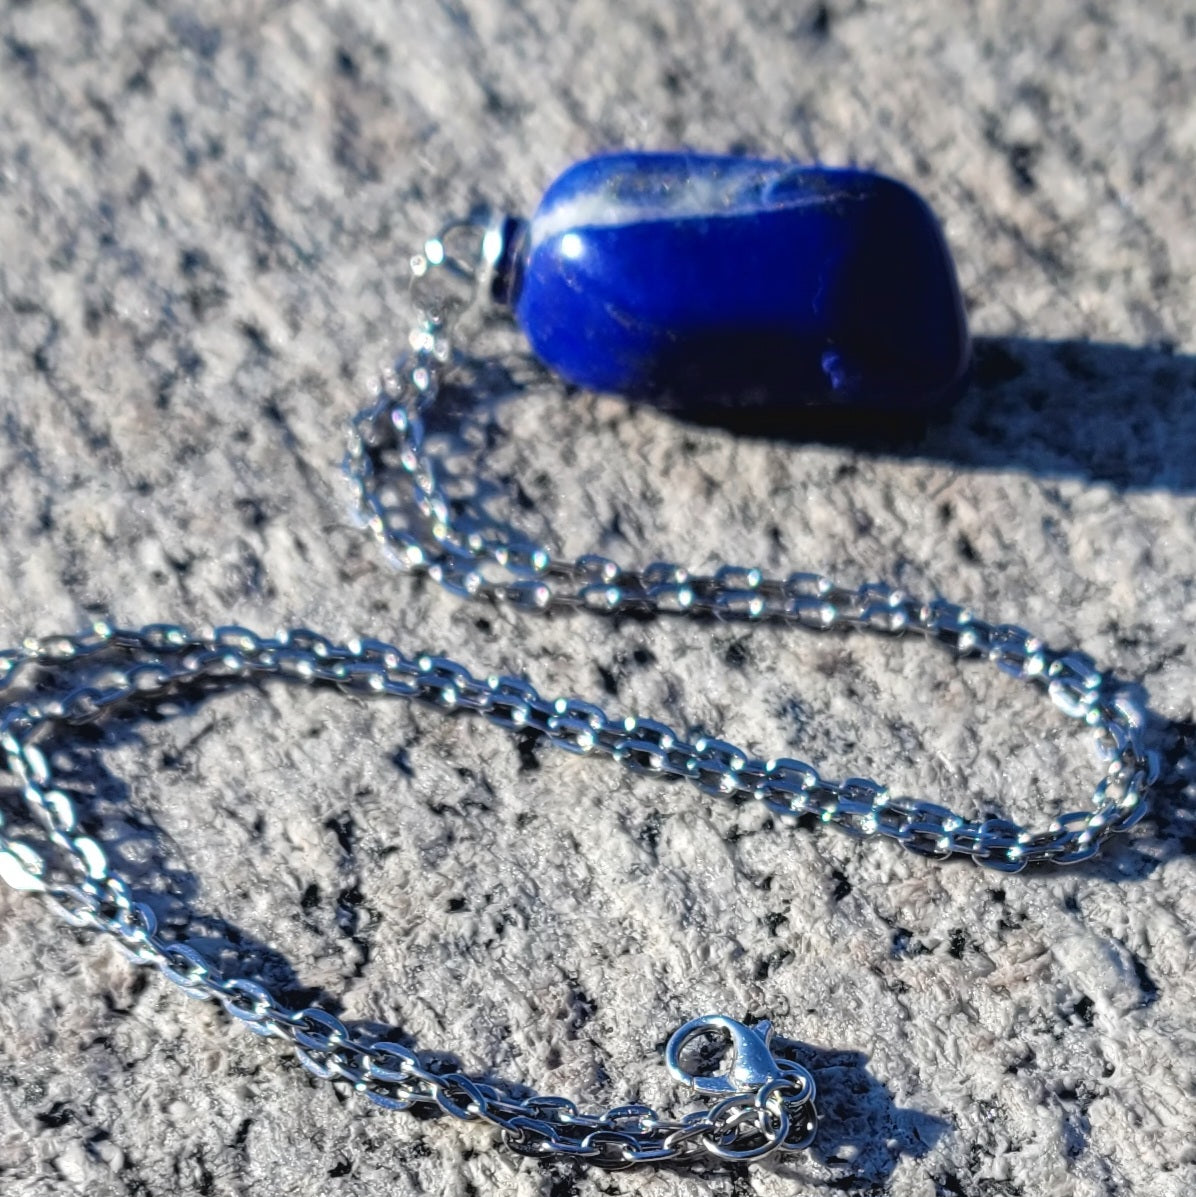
pixel 765 1098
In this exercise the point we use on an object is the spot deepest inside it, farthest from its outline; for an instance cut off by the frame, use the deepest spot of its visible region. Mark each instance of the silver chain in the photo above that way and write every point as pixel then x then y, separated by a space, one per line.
pixel 766 1101
pixel 401 500
pixel 772 1106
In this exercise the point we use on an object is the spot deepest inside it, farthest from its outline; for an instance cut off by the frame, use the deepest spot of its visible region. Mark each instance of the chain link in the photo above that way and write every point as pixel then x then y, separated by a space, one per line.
pixel 405 506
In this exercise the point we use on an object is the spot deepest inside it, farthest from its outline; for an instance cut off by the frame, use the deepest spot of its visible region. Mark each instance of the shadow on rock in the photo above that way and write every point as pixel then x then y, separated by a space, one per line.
pixel 1116 415
pixel 1169 828
pixel 862 1132
pixel 140 851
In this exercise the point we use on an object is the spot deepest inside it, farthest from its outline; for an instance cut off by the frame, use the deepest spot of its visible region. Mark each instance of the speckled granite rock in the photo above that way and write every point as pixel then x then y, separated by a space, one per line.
pixel 204 215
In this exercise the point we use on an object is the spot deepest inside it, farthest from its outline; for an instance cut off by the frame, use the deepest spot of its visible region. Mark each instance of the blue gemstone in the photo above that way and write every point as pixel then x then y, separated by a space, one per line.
pixel 701 276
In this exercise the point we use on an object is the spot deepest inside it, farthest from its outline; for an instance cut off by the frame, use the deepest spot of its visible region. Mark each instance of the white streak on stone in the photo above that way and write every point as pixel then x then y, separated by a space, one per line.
pixel 666 197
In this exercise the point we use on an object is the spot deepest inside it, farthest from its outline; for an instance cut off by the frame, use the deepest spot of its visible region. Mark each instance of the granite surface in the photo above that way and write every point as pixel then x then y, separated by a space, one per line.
pixel 205 212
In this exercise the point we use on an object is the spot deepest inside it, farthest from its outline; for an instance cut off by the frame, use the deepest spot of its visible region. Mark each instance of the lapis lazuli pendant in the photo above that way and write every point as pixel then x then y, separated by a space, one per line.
pixel 686 277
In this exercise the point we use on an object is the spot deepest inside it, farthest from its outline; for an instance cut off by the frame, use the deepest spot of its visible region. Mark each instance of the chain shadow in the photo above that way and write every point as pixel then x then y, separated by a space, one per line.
pixel 1168 830
pixel 463 431
pixel 139 848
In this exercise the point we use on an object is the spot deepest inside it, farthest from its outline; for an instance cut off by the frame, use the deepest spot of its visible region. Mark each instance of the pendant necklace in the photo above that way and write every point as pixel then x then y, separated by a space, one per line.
pixel 673 279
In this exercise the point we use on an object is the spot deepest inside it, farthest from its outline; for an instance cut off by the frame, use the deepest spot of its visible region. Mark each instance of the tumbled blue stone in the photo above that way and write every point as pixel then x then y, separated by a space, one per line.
pixel 700 276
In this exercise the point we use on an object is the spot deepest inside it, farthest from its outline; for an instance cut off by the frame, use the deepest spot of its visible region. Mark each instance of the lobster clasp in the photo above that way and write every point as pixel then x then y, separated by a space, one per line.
pixel 752 1063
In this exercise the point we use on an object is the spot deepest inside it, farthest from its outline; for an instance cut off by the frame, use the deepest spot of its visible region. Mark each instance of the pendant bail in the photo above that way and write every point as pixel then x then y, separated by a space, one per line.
pixel 498 276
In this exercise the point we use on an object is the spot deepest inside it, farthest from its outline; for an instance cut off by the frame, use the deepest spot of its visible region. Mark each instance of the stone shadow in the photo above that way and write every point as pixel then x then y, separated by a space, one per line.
pixel 1114 415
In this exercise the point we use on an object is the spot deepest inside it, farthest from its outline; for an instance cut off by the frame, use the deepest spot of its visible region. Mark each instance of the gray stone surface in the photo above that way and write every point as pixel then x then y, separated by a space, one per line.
pixel 204 215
